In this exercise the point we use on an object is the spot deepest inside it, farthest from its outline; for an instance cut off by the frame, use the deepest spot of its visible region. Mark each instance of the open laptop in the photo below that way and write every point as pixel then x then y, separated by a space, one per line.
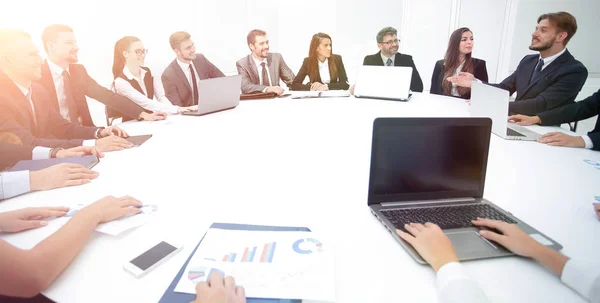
pixel 433 170
pixel 217 94
pixel 383 82
pixel 492 102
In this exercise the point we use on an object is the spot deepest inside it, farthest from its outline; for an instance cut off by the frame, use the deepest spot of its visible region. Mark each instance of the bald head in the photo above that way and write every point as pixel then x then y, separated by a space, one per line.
pixel 19 57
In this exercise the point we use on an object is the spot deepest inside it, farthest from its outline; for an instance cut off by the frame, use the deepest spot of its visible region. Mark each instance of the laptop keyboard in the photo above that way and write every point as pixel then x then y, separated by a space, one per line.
pixel 445 216
pixel 513 133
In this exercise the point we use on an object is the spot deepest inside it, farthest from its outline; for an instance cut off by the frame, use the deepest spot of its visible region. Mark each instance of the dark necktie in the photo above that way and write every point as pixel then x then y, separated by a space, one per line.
pixel 537 71
pixel 69 100
pixel 265 75
pixel 388 62
pixel 194 85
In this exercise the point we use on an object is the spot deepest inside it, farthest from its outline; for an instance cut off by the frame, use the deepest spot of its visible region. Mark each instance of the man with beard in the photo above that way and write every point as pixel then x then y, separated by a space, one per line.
pixel 388 43
pixel 68 83
pixel 180 78
pixel 548 80
pixel 261 70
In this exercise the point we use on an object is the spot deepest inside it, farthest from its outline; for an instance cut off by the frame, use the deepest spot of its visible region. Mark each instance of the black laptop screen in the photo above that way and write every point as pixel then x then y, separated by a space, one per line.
pixel 428 158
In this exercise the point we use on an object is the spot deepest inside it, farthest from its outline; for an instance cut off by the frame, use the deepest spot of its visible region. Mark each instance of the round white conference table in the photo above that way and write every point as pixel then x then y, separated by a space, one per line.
pixel 306 163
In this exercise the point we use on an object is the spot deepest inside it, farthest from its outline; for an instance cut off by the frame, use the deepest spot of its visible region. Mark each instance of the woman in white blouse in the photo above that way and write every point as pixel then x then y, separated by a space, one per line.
pixel 135 81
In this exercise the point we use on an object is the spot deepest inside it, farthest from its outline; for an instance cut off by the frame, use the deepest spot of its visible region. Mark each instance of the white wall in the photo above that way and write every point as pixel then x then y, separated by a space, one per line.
pixel 501 28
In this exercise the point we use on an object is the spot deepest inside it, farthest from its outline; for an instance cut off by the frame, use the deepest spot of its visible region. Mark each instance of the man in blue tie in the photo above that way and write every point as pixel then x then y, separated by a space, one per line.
pixel 547 80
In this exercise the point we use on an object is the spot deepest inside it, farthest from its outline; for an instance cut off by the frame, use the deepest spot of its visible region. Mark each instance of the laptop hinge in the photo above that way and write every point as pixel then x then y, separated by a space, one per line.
pixel 437 201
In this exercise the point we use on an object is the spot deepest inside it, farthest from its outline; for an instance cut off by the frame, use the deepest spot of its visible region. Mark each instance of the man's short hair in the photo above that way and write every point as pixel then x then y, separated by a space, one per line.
pixel 564 21
pixel 8 37
pixel 384 32
pixel 177 38
pixel 51 32
pixel 252 35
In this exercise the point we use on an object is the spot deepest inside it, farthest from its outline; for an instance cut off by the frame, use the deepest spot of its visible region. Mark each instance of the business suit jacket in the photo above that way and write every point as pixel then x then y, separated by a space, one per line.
pixel 83 85
pixel 437 78
pixel 581 110
pixel 416 84
pixel 250 77
pixel 177 87
pixel 10 154
pixel 340 83
pixel 51 130
pixel 557 85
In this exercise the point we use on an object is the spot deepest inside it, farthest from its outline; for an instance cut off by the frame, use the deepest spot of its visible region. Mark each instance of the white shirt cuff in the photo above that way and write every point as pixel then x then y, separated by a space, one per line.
pixel 89 143
pixel 450 272
pixel 40 153
pixel 14 184
pixel 265 89
pixel 588 142
pixel 454 286
pixel 582 278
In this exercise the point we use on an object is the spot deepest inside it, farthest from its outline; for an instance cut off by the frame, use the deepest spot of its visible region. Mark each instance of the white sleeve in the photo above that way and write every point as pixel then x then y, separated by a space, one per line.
pixel 39 152
pixel 125 89
pixel 584 278
pixel 588 142
pixel 14 184
pixel 454 286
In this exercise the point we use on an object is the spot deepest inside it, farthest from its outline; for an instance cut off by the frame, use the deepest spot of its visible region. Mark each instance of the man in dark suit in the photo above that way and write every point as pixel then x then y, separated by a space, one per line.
pixel 581 110
pixel 548 80
pixel 180 78
pixel 25 107
pixel 261 70
pixel 68 83
pixel 388 55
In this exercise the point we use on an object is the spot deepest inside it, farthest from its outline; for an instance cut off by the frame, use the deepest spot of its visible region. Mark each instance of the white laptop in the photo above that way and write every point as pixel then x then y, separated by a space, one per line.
pixel 383 82
pixel 492 102
pixel 217 94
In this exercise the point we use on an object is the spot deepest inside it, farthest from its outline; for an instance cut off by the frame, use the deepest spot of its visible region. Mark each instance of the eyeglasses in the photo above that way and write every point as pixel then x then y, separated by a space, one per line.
pixel 140 52
pixel 397 41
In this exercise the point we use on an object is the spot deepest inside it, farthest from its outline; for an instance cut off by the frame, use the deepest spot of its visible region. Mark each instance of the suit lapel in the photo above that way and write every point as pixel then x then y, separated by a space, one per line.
pixel 253 70
pixel 554 65
pixel 181 75
pixel 272 72
pixel 378 59
pixel 48 82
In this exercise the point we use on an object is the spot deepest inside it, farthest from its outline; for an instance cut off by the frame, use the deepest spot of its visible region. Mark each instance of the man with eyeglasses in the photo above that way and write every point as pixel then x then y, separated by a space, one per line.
pixel 68 83
pixel 388 43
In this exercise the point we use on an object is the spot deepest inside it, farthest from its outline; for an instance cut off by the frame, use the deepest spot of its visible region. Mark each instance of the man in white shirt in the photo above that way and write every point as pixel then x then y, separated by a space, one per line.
pixel 454 285
pixel 261 70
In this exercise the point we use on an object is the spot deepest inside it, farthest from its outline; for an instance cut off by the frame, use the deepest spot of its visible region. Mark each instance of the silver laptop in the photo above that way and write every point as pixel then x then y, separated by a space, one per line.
pixel 433 170
pixel 383 82
pixel 492 102
pixel 217 94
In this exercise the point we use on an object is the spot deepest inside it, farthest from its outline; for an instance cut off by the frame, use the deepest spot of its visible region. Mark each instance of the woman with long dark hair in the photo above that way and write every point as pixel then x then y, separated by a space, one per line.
pixel 324 69
pixel 135 81
pixel 457 59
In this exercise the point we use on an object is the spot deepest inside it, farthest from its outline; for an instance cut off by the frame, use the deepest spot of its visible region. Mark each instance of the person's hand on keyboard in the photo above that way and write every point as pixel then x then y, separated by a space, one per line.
pixel 510 236
pixel 430 242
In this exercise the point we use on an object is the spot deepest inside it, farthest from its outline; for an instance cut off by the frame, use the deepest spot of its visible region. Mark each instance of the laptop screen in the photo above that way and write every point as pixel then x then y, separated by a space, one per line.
pixel 428 158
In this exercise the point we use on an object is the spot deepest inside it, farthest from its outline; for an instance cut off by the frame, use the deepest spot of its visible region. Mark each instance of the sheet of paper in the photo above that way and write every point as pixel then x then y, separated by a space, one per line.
pixel 116 227
pixel 268 264
pixel 335 93
pixel 304 94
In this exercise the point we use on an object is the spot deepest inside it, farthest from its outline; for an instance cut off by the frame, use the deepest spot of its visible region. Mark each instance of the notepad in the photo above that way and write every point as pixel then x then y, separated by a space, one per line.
pixel 320 94
pixel 86 161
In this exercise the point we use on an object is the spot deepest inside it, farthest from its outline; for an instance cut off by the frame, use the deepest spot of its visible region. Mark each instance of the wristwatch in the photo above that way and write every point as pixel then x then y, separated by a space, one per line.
pixel 55 151
pixel 98 135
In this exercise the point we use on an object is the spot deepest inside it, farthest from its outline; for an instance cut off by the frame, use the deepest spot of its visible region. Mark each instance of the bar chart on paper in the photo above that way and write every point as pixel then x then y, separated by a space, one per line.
pixel 253 254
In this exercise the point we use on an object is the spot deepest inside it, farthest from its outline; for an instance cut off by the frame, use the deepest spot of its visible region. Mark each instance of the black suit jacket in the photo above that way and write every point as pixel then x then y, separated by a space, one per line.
pixel 557 85
pixel 437 78
pixel 341 82
pixel 10 154
pixel 52 130
pixel 581 110
pixel 177 87
pixel 83 85
pixel 416 84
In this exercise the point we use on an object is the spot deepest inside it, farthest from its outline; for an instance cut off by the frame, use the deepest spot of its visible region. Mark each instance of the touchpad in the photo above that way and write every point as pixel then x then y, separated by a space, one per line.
pixel 469 243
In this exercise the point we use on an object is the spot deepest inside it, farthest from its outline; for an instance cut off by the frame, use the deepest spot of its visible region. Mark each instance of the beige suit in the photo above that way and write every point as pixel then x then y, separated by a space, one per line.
pixel 277 70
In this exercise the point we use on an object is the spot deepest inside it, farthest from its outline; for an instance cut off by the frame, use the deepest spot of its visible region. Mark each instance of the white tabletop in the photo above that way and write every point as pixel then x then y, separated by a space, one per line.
pixel 306 163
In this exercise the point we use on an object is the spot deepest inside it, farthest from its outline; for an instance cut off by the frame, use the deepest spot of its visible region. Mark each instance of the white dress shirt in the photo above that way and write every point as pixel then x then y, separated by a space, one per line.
pixel 324 71
pixel 454 89
pixel 551 59
pixel 186 70
pixel 453 284
pixel 588 142
pixel 59 85
pixel 384 58
pixel 17 183
pixel 124 88
pixel 259 69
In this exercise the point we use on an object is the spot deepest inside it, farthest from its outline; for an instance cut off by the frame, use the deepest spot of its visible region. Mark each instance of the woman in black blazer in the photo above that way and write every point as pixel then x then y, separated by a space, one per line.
pixel 325 70
pixel 457 59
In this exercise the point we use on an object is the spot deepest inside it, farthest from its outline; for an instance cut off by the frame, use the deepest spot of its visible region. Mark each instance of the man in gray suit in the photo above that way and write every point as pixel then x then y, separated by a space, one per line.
pixel 262 70
pixel 180 78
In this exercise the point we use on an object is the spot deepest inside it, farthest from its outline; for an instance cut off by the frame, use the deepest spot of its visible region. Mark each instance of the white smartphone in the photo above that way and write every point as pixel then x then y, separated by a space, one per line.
pixel 152 258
